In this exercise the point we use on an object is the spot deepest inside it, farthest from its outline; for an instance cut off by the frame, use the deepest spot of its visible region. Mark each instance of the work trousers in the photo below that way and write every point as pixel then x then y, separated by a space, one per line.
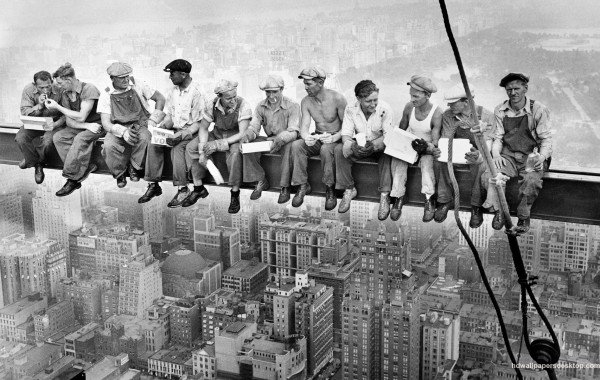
pixel 400 175
pixel 118 154
pixel 343 170
pixel 445 191
pixel 233 158
pixel 36 146
pixel 75 146
pixel 530 183
pixel 253 172
pixel 300 154
pixel 155 162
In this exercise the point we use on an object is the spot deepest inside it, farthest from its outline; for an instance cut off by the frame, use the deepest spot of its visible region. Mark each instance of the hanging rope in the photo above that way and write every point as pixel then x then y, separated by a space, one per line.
pixel 543 351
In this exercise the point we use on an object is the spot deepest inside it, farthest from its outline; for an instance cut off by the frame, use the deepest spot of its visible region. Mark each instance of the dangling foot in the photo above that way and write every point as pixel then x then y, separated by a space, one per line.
pixel 68 188
pixel 429 210
pixel 234 205
pixel 260 187
pixel 476 217
pixel 396 211
pixel 178 199
pixel 192 198
pixel 384 206
pixel 153 190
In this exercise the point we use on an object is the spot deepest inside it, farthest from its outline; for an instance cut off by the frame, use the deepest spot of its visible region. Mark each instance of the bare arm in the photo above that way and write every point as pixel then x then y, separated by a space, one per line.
pixel 341 104
pixel 305 119
pixel 436 126
pixel 243 125
pixel 79 116
pixel 159 100
pixel 406 116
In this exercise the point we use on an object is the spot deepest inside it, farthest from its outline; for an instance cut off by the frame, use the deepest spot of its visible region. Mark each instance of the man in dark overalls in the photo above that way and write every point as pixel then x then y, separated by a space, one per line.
pixel 456 121
pixel 75 142
pixel 125 114
pixel 37 145
pixel 231 116
pixel 522 124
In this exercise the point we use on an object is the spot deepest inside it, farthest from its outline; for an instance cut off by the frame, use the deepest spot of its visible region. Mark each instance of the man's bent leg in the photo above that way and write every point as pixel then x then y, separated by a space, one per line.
pixel 529 189
pixel 343 169
pixel 252 170
pixel 25 141
pixel 63 140
pixel 179 164
pixel 234 165
pixel 445 193
pixel 138 151
pixel 79 158
pixel 327 153
pixel 155 161
pixel 286 165
pixel 399 170
pixel 115 155
pixel 300 154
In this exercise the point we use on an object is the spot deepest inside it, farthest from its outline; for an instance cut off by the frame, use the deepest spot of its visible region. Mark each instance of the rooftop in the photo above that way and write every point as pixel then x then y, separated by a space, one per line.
pixel 27 305
pixel 245 269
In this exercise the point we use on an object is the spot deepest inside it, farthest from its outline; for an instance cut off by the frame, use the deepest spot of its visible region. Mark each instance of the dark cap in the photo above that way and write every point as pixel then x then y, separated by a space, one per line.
pixel 513 76
pixel 179 65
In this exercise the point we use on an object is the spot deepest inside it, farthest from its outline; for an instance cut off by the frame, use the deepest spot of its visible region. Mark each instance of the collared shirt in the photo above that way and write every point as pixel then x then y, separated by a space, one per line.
pixel 450 123
pixel 378 124
pixel 244 114
pixel 286 117
pixel 538 119
pixel 29 101
pixel 185 106
pixel 143 90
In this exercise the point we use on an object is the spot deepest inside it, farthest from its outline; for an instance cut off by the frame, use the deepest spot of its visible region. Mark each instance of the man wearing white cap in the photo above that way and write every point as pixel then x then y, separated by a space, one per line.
pixel 231 116
pixel 125 114
pixel 326 107
pixel 456 121
pixel 279 116
pixel 185 102
pixel 424 119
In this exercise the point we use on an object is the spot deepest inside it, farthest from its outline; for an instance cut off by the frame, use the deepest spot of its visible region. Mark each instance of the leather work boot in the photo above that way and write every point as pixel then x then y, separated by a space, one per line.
pixel 523 225
pixel 304 189
pixel 349 195
pixel 134 176
pixel 396 209
pixel 429 210
pixel 284 195
pixel 153 190
pixel 234 205
pixel 178 199
pixel 121 181
pixel 68 188
pixel 384 206
pixel 39 173
pixel 192 198
pixel 441 212
pixel 476 217
pixel 498 221
pixel 260 187
pixel 330 199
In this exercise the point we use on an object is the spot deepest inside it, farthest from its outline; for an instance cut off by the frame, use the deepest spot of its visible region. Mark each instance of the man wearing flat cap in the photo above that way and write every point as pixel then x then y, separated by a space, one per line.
pixel 457 122
pixel 185 102
pixel 126 114
pixel 424 119
pixel 231 116
pixel 279 116
pixel 522 126
pixel 373 119
pixel 326 107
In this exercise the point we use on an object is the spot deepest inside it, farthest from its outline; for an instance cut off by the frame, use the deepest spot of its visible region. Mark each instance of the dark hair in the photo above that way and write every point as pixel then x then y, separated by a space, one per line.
pixel 65 70
pixel 365 88
pixel 42 75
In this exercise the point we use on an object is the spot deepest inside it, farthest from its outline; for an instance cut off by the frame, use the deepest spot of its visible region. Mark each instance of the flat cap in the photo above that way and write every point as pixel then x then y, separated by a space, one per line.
pixel 422 83
pixel 457 93
pixel 119 69
pixel 225 85
pixel 179 65
pixel 271 82
pixel 513 76
pixel 312 72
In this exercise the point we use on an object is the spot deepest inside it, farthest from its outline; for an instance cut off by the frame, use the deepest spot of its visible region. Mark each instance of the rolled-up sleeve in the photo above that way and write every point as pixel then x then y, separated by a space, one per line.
pixel 543 130
pixel 348 123
pixel 294 118
pixel 257 120
pixel 197 108
pixel 498 133
pixel 28 104
pixel 245 111
pixel 207 113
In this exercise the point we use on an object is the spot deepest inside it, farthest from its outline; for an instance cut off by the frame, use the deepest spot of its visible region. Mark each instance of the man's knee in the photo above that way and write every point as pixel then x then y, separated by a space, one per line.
pixel 338 151
pixel 327 151
pixel 532 182
pixel 60 137
pixel 145 136
pixel 298 147
pixel 22 137
pixel 234 152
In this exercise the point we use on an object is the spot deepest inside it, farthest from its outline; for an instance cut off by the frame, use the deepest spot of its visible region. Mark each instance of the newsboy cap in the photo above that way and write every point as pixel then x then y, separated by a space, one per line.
pixel 312 72
pixel 119 69
pixel 179 65
pixel 422 83
pixel 271 82
pixel 513 76
pixel 225 85
pixel 457 93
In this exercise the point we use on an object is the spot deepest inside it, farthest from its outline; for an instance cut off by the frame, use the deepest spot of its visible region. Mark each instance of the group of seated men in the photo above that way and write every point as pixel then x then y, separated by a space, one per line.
pixel 123 115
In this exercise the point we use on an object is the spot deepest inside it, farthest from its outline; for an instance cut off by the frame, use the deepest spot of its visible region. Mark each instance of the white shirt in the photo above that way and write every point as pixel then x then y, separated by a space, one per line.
pixel 376 126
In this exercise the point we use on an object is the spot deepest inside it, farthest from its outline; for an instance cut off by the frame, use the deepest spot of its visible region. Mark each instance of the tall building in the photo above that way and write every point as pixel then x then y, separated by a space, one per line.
pixel 57 317
pixel 17 313
pixel 289 243
pixel 29 266
pixel 247 276
pixel 215 242
pixel 86 298
pixel 147 217
pixel 183 222
pixel 499 251
pixel 479 236
pixel 24 188
pixel 55 217
pixel 361 339
pixel 423 237
pixel 12 215
pixel 140 283
pixel 440 342
pixel 360 213
pixel 246 222
pixel 314 320
pixel 185 322
pixel 101 250
pixel 284 311
pixel 100 215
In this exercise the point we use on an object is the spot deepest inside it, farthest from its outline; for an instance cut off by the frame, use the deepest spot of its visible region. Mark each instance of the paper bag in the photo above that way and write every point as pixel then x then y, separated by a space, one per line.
pixel 35 123
pixel 460 147
pixel 398 144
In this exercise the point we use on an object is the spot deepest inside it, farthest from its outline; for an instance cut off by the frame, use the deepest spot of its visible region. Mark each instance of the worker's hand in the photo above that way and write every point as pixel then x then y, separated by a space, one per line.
pixel 92 127
pixel 327 138
pixel 348 148
pixel 131 137
pixel 310 140
pixel 367 150
pixel 42 99
pixel 539 165
pixel 49 126
pixel 277 144
pixel 176 139
pixel 473 157
pixel 248 136
pixel 478 127
pixel 420 146
pixel 499 162
pixel 50 104
pixel 433 150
